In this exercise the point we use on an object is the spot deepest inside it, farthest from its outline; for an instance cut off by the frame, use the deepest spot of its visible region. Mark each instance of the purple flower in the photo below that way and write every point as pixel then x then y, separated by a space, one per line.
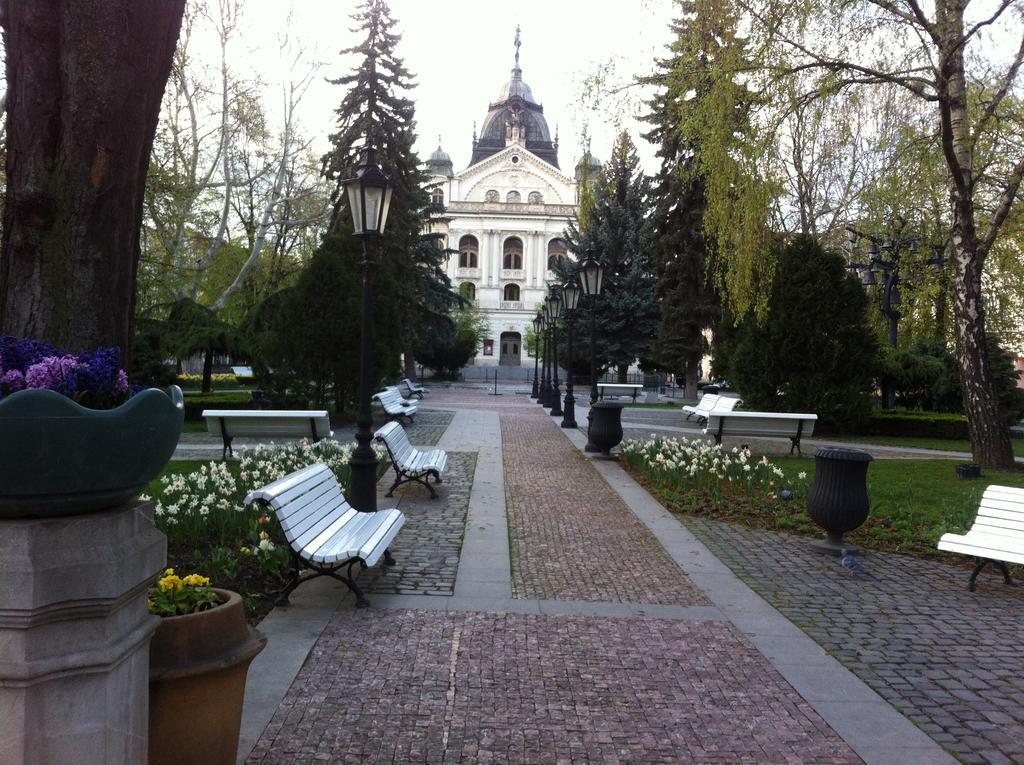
pixel 59 373
pixel 121 384
pixel 12 381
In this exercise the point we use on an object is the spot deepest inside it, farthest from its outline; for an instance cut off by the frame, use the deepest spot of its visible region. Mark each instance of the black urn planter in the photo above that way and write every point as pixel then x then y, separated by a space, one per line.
pixel 968 470
pixel 605 431
pixel 838 499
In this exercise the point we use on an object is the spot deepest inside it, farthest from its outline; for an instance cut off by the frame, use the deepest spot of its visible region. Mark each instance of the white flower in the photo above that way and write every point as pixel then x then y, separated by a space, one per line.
pixel 801 475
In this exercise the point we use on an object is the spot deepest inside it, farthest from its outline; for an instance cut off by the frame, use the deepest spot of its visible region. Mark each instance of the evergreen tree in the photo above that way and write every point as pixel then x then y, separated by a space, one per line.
pixel 413 294
pixel 627 315
pixel 815 351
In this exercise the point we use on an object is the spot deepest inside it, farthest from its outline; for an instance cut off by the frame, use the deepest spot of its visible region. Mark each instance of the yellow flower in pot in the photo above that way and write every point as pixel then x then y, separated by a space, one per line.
pixel 198 661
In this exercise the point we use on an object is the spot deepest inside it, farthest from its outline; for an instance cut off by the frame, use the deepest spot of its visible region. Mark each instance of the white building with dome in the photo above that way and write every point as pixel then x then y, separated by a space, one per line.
pixel 506 214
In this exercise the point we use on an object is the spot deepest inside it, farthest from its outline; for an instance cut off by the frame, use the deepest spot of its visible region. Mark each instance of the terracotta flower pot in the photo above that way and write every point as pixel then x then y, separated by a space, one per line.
pixel 60 458
pixel 197 669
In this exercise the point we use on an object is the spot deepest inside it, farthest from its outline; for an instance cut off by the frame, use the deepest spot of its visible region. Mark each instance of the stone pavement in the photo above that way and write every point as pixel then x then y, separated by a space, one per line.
pixel 951 660
pixel 691 666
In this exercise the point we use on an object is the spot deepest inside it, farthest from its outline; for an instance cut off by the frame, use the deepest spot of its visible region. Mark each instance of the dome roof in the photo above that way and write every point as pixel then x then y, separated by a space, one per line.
pixel 515 87
pixel 515 117
pixel 439 155
pixel 440 163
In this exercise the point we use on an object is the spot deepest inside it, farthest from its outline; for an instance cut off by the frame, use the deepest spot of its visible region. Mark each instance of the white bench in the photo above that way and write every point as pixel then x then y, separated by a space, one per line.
pixel 394 404
pixel 324 531
pixel 792 425
pixel 717 403
pixel 619 389
pixel 271 423
pixel 412 388
pixel 997 535
pixel 410 463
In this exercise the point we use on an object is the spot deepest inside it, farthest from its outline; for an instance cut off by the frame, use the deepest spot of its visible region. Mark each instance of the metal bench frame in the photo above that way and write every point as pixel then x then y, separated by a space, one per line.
pixel 312 568
pixel 402 474
pixel 225 415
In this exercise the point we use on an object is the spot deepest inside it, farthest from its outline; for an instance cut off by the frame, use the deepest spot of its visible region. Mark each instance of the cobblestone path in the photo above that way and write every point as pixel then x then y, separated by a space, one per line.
pixel 427 547
pixel 430 687
pixel 428 426
pixel 571 536
pixel 952 661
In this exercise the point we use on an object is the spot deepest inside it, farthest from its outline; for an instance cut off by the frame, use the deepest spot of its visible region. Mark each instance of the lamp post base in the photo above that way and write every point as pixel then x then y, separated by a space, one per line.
pixel 569 411
pixel 556 402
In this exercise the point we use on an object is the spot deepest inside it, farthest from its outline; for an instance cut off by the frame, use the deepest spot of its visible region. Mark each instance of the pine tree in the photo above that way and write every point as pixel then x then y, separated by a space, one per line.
pixel 412 292
pixel 627 314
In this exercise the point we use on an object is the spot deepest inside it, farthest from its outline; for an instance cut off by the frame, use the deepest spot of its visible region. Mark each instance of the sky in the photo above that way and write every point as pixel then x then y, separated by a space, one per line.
pixel 462 52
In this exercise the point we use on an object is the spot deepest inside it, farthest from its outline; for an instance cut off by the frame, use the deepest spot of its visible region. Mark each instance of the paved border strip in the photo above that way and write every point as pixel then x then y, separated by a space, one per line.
pixel 872 728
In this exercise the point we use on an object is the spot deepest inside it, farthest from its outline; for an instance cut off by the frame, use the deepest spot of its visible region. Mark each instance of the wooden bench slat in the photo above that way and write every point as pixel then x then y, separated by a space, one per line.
pixel 346 542
pixel 374 547
pixel 328 503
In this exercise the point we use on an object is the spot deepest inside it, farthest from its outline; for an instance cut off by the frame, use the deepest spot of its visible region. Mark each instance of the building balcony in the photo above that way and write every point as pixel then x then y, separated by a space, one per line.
pixel 513 274
pixel 511 305
pixel 467 273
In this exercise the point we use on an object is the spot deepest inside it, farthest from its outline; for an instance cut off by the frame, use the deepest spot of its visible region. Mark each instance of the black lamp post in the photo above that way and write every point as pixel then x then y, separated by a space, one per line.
pixel 538 322
pixel 592 275
pixel 545 387
pixel 553 306
pixel 571 294
pixel 369 196
pixel 888 266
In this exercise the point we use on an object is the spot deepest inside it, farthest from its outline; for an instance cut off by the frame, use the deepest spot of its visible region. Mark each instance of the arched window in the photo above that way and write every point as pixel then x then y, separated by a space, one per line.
pixel 513 254
pixel 557 253
pixel 468 249
pixel 513 196
pixel 492 196
pixel 437 196
pixel 468 290
pixel 535 198
pixel 512 293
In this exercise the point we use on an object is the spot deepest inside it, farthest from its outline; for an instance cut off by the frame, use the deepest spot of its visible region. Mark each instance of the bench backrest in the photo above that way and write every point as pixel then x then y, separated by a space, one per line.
pixel 787 424
pixel 614 388
pixel 1001 512
pixel 707 402
pixel 308 503
pixel 725 403
pixel 397 442
pixel 282 423
pixel 411 385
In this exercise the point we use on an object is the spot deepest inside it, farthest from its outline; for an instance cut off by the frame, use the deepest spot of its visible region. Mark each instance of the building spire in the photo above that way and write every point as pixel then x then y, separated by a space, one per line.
pixel 518 44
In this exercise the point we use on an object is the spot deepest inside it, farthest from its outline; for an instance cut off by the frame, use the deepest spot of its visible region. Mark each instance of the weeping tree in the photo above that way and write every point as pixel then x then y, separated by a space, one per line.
pixel 84 84
pixel 193 329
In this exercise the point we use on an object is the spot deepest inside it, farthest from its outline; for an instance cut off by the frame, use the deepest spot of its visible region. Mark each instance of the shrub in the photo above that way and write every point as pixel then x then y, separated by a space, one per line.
pixel 814 350
pixel 918 424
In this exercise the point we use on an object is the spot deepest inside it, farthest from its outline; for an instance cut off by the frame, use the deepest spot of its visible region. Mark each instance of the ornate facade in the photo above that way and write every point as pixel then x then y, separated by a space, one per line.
pixel 506 214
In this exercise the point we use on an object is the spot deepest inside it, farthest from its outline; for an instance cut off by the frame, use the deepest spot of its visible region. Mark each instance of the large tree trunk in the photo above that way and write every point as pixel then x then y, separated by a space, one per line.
pixel 990 436
pixel 691 378
pixel 408 358
pixel 84 83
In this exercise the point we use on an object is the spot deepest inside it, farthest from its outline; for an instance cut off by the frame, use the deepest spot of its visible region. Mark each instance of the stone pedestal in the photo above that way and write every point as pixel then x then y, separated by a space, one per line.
pixel 74 636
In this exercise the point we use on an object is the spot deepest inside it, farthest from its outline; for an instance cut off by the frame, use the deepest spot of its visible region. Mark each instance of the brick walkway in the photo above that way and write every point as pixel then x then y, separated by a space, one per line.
pixel 574 636
pixel 428 687
pixel 571 536
pixel 427 547
pixel 951 660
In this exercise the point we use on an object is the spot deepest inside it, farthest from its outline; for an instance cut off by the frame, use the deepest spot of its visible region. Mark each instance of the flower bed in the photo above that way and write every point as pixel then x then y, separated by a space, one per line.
pixel 700 478
pixel 208 527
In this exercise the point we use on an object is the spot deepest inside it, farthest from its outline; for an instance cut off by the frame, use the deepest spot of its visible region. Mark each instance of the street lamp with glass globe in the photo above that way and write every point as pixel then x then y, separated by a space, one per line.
pixel 571 294
pixel 369 196
pixel 552 313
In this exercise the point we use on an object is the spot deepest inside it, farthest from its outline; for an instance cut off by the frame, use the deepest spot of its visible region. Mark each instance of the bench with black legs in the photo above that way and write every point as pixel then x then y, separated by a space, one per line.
pixel 326 534
pixel 997 536
pixel 412 389
pixel 394 405
pixel 267 423
pixel 792 425
pixel 410 463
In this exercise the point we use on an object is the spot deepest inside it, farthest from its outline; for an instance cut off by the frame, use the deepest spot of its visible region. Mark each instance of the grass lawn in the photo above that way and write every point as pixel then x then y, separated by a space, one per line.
pixel 942 444
pixel 913 503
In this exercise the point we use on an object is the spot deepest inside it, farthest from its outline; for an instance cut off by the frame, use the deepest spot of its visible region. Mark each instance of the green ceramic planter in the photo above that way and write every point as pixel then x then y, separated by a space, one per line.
pixel 59 458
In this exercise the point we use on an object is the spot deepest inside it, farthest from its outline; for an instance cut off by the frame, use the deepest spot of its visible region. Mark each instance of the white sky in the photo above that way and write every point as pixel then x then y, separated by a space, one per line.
pixel 461 52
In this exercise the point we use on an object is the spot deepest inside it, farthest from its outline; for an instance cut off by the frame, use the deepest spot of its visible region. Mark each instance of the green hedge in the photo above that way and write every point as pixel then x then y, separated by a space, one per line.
pixel 195 403
pixel 918 424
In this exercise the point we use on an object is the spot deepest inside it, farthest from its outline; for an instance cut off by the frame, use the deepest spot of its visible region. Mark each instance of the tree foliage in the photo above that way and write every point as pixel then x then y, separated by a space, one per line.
pixel 617 233
pixel 814 351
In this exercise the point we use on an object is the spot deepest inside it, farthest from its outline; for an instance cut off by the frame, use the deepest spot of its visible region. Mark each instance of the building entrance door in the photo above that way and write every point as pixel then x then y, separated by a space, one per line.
pixel 510 349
